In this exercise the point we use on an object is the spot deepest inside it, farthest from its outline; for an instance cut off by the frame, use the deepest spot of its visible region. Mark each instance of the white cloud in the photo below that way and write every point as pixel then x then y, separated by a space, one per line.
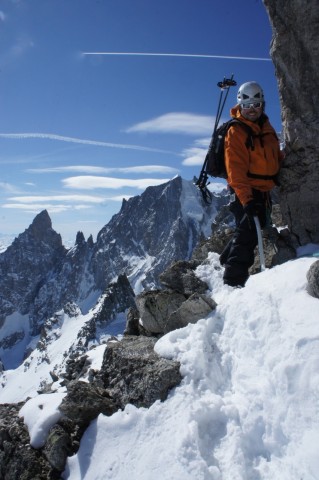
pixel 35 203
pixel 202 142
pixel 90 182
pixel 92 169
pixel 61 138
pixel 58 198
pixel 194 156
pixel 2 16
pixel 36 207
pixel 8 187
pixel 176 122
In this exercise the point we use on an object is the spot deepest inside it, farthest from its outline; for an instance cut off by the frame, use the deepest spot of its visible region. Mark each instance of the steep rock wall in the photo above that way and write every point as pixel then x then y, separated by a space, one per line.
pixel 295 53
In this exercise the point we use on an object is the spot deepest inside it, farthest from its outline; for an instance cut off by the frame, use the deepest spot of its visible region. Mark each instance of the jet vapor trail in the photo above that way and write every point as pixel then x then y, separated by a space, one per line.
pixel 142 54
pixel 50 136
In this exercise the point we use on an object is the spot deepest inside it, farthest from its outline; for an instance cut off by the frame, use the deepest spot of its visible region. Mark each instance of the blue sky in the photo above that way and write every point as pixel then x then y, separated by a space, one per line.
pixel 79 132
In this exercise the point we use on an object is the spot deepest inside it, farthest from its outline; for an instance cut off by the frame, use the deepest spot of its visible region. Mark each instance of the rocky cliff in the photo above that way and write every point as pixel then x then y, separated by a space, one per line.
pixel 295 53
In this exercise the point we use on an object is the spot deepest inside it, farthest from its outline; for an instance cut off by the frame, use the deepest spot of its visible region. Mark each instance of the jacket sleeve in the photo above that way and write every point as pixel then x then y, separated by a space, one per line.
pixel 237 163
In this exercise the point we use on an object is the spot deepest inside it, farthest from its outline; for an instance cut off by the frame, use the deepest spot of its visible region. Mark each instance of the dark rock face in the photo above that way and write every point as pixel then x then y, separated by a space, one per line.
pixel 197 306
pixel 155 307
pixel 84 402
pixel 181 278
pixel 135 374
pixel 26 263
pixel 18 460
pixel 295 52
pixel 313 279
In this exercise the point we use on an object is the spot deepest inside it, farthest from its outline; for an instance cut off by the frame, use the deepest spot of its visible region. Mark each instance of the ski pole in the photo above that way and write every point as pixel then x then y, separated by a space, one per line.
pixel 202 181
pixel 260 244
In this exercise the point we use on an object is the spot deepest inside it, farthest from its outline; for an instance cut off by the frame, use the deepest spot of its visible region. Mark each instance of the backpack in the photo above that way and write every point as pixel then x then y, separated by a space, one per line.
pixel 214 161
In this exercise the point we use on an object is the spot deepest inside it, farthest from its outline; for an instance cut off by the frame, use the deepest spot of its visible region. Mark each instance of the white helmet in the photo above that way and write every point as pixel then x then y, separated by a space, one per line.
pixel 250 92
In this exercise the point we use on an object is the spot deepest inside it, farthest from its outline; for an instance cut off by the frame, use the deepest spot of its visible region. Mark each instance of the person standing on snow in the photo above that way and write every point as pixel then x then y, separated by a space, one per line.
pixel 251 175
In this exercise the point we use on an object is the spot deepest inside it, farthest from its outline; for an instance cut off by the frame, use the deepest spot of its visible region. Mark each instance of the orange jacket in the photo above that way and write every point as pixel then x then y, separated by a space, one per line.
pixel 240 161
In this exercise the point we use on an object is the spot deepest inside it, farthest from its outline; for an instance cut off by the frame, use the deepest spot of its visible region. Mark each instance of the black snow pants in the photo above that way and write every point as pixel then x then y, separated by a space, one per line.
pixel 238 255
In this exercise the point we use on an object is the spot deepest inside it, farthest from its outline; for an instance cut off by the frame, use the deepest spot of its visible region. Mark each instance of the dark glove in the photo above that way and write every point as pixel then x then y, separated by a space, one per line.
pixel 251 208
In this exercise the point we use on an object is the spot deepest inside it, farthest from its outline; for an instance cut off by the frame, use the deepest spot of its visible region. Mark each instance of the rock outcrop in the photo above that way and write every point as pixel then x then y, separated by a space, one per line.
pixel 183 301
pixel 131 372
pixel 135 374
pixel 313 279
pixel 295 53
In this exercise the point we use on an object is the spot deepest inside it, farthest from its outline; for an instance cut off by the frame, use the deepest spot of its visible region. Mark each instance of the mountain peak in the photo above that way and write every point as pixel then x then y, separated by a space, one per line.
pixel 41 230
pixel 42 221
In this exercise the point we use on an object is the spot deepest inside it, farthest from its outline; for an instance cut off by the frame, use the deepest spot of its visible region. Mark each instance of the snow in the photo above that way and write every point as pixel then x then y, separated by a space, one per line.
pixel 16 329
pixel 139 266
pixel 40 414
pixel 18 384
pixel 192 208
pixel 247 407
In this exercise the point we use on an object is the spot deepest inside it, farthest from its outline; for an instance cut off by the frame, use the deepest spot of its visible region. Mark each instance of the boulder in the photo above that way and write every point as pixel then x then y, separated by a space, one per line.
pixel 180 277
pixel 197 306
pixel 155 306
pixel 133 373
pixel 84 402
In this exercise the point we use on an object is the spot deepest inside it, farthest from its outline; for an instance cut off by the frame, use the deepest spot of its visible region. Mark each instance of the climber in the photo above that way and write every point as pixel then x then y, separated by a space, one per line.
pixel 251 174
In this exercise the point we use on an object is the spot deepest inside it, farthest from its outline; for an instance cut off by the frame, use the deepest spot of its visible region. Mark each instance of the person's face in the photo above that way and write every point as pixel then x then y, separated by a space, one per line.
pixel 251 111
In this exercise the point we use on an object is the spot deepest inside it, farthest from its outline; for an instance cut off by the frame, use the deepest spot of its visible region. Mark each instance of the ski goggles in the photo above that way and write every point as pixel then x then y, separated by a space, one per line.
pixel 247 106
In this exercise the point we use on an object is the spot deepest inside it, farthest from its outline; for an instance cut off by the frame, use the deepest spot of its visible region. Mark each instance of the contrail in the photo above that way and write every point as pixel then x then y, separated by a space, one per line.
pixel 142 54
pixel 50 136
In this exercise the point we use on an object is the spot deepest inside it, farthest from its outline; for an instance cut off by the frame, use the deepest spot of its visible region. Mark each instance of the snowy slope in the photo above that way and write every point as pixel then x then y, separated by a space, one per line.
pixel 247 408
pixel 18 384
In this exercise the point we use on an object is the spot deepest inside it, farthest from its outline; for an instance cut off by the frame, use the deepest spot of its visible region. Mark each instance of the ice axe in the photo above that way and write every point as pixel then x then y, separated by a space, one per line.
pixel 260 244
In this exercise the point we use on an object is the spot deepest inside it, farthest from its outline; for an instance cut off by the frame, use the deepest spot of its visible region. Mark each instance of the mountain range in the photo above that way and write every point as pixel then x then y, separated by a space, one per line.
pixel 39 276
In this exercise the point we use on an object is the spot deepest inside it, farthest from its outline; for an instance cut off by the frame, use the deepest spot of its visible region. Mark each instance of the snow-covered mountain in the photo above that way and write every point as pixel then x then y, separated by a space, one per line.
pixel 150 231
pixel 39 276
